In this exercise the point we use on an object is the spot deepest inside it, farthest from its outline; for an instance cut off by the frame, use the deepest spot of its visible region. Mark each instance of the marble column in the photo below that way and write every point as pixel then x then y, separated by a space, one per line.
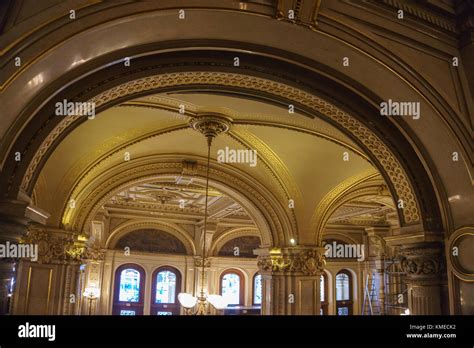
pixel 11 231
pixel 291 280
pixel 424 264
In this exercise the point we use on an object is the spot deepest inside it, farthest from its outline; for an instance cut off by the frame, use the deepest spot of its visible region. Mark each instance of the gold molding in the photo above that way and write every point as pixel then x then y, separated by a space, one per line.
pixel 325 206
pixel 459 234
pixel 387 160
pixel 28 284
pixel 49 289
pixel 275 165
pixel 271 224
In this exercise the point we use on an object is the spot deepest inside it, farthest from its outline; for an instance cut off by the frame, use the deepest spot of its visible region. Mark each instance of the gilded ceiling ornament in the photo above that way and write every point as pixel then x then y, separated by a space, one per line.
pixel 211 125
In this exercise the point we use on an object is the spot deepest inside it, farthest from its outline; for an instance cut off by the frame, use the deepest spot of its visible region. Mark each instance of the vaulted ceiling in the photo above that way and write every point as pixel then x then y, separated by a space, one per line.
pixel 298 158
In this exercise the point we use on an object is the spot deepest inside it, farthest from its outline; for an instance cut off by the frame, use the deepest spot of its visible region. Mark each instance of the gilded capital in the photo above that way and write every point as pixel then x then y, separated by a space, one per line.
pixel 303 260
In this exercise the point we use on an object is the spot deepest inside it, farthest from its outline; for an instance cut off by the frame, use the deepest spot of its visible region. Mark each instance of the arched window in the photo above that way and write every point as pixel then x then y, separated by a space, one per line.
pixel 232 287
pixel 323 291
pixel 164 293
pixel 344 293
pixel 129 290
pixel 257 289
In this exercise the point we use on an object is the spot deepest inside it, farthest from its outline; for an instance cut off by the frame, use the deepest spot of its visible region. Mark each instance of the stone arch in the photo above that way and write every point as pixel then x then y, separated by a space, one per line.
pixel 357 186
pixel 384 158
pixel 269 215
pixel 405 174
pixel 130 226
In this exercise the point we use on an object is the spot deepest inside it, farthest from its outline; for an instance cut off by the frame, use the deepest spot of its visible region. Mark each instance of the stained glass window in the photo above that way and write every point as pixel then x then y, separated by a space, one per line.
pixel 342 287
pixel 343 293
pixel 129 285
pixel 257 289
pixel 231 288
pixel 342 311
pixel 165 287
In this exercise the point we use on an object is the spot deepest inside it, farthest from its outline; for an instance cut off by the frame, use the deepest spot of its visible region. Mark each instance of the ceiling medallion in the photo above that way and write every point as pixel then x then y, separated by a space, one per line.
pixel 211 124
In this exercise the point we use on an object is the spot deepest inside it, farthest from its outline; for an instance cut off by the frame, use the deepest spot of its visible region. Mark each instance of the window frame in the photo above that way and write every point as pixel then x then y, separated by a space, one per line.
pixel 119 305
pixel 241 285
pixel 325 303
pixel 167 307
pixel 345 303
pixel 253 288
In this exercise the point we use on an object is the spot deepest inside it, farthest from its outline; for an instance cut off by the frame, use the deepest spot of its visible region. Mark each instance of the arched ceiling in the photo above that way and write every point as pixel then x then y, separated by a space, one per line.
pixel 299 158
pixel 181 201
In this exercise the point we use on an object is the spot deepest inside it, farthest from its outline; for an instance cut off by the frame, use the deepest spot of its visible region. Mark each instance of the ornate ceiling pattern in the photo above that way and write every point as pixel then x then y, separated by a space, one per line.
pixel 390 164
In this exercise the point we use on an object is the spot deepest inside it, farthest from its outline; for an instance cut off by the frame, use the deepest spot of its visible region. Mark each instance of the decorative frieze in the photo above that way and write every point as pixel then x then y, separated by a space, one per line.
pixel 198 262
pixel 308 261
pixel 60 246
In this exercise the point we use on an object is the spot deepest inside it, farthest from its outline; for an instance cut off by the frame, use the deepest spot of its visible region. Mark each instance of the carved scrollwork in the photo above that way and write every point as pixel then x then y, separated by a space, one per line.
pixel 309 262
pixel 51 248
pixel 93 254
pixel 422 262
pixel 198 262
pixel 60 247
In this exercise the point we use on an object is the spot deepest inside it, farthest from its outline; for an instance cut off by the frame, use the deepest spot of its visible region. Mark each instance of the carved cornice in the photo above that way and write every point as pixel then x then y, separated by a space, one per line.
pixel 306 261
pixel 93 254
pixel 421 13
pixel 305 11
pixel 54 247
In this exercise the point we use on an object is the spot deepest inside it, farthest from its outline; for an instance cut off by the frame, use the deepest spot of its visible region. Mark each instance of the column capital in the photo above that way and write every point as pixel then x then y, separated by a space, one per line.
pixel 303 260
pixel 54 245
pixel 198 262
pixel 423 262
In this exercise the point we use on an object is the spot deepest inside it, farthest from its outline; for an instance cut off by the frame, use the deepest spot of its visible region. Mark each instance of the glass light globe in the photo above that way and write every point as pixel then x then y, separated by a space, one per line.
pixel 91 292
pixel 217 301
pixel 187 300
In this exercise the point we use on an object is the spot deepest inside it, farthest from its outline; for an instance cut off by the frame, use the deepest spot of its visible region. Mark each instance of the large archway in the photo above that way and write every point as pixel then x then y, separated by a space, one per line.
pixel 285 73
pixel 398 166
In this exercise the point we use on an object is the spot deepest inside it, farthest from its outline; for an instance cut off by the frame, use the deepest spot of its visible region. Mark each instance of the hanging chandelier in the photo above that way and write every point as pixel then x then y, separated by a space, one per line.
pixel 210 125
